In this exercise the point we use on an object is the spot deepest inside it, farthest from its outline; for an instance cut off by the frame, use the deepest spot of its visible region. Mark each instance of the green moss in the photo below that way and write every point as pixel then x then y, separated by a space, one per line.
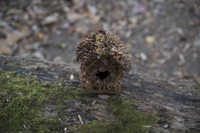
pixel 100 40
pixel 110 39
pixel 22 102
pixel 196 89
pixel 22 107
pixel 126 119
pixel 13 64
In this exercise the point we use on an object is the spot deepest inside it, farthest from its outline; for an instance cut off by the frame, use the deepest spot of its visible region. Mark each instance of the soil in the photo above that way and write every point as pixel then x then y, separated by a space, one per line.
pixel 162 37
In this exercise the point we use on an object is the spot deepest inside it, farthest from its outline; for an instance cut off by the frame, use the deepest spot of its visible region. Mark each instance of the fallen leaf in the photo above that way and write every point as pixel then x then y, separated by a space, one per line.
pixel 13 11
pixel 41 35
pixel 11 38
pixel 4 49
pixel 14 36
pixel 73 16
pixel 50 19
pixel 150 39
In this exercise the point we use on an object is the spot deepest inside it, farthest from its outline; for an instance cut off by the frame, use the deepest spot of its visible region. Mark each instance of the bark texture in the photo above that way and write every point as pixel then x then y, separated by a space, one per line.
pixel 176 103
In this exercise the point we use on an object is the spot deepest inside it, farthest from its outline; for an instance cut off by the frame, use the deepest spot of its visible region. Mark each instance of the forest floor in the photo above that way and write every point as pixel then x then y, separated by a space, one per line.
pixel 162 37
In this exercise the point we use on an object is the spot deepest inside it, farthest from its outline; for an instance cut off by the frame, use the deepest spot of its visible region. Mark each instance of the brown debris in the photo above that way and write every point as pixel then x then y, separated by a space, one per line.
pixel 103 59
pixel 11 38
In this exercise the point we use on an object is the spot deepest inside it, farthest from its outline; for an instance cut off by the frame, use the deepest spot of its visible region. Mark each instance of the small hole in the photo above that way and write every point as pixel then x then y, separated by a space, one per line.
pixel 102 75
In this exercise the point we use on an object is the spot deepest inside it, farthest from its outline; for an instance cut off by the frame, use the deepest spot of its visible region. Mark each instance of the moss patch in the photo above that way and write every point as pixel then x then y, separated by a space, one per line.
pixel 196 89
pixel 13 64
pixel 126 119
pixel 22 102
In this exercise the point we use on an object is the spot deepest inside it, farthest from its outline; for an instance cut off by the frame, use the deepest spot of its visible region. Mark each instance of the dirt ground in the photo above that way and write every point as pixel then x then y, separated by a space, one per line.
pixel 162 37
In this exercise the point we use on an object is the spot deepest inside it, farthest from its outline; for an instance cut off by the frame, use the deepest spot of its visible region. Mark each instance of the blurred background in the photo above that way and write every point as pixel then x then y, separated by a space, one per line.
pixel 162 36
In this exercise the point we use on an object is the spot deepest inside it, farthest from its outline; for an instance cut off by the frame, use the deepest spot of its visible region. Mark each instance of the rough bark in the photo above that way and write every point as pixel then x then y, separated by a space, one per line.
pixel 176 103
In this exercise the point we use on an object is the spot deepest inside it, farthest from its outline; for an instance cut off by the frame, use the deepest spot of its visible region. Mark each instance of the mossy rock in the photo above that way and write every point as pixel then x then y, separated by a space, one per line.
pixel 126 120
pixel 22 102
